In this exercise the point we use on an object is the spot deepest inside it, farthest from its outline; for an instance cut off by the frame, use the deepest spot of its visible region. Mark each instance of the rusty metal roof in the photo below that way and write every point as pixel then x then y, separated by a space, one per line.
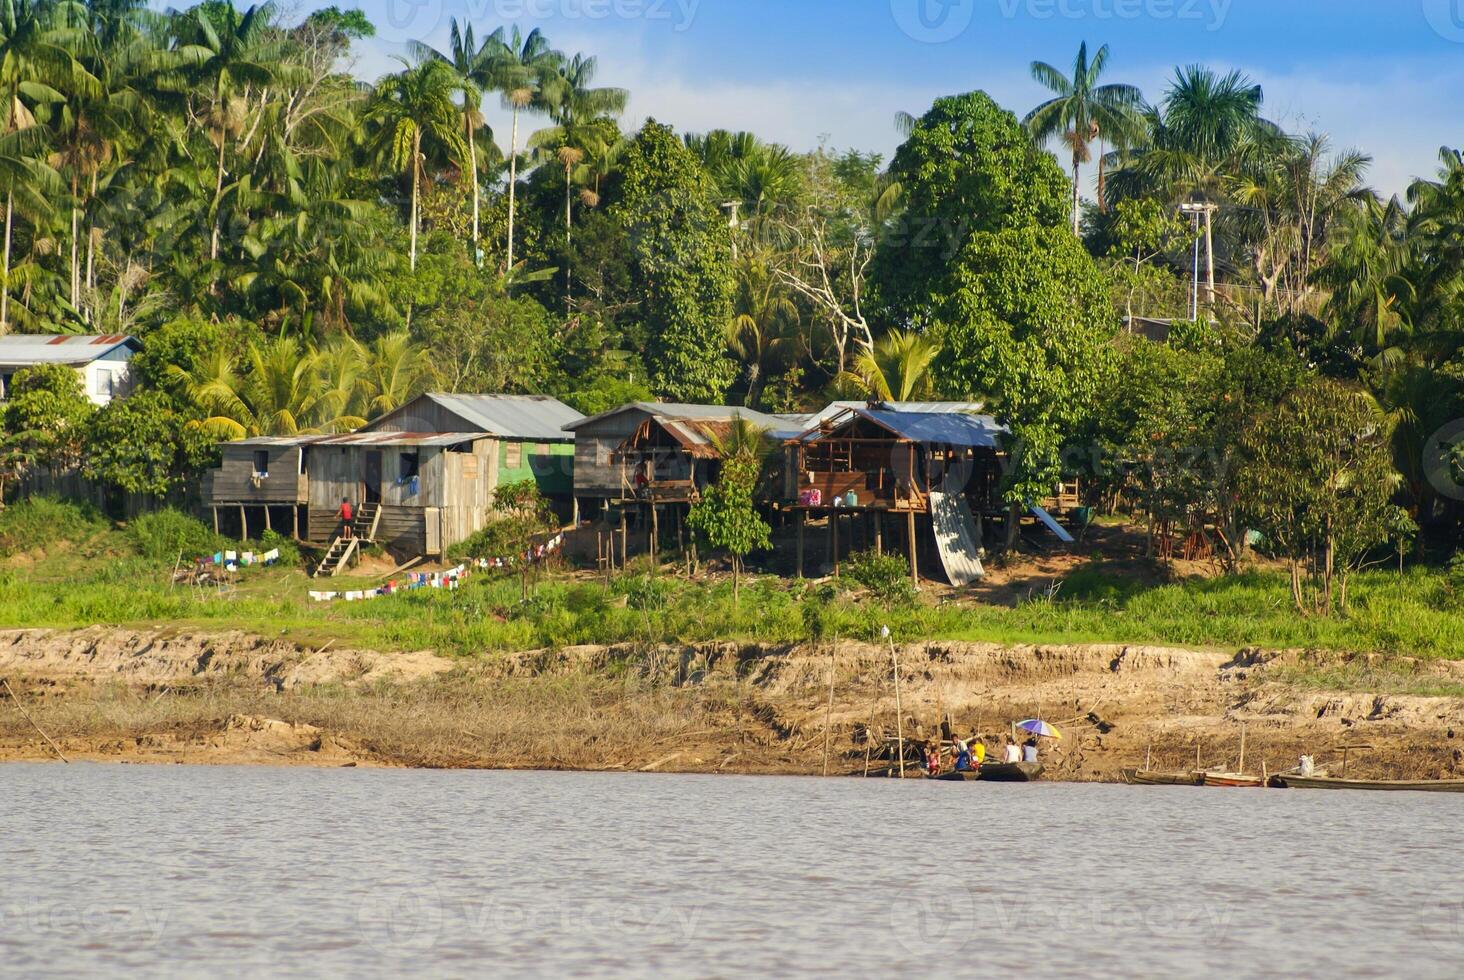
pixel 428 439
pixel 21 349
pixel 537 418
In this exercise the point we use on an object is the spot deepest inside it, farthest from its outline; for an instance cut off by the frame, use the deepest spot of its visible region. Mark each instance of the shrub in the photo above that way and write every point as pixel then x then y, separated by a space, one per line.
pixel 886 576
pixel 42 521
pixel 159 536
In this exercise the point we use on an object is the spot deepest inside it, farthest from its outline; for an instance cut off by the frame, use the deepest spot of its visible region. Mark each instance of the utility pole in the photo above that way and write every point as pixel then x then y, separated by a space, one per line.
pixel 733 222
pixel 1195 210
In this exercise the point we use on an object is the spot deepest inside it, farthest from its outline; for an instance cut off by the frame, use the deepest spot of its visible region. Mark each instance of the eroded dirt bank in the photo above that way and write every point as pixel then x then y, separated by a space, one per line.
pixel 158 696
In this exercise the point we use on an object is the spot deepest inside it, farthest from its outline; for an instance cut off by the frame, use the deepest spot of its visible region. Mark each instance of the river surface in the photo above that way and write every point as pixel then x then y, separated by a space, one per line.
pixel 247 871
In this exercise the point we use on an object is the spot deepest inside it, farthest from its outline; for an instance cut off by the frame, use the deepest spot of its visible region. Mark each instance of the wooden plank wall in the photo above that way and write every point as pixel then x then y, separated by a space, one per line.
pixel 596 472
pixel 233 481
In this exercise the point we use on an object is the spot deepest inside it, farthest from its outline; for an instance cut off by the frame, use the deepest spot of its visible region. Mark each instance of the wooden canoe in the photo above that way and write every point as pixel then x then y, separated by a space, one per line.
pixel 1153 777
pixel 1235 779
pixel 1292 781
pixel 997 772
pixel 1011 772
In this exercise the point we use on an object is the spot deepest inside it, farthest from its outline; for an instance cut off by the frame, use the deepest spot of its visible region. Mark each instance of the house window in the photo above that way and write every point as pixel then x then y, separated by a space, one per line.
pixel 104 382
pixel 410 465
pixel 5 386
pixel 261 463
pixel 513 456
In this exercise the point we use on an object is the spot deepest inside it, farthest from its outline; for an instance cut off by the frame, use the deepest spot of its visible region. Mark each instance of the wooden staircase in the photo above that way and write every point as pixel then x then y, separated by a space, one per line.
pixel 337 556
pixel 363 531
pixel 367 521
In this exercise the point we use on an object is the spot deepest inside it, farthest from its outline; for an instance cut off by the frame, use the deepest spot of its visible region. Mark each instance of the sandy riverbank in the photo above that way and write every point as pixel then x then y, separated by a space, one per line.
pixel 156 696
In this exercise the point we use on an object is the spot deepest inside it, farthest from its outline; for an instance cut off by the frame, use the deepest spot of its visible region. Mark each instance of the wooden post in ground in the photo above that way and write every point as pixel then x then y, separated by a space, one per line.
pixel 914 561
pixel 243 524
pixel 624 540
pixel 899 707
pixel 878 532
pixel 655 534
pixel 295 521
pixel 216 519
pixel 267 525
pixel 801 518
pixel 829 711
pixel 834 538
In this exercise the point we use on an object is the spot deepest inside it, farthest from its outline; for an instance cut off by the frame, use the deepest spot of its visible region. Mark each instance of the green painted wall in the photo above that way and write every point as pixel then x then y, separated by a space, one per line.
pixel 554 473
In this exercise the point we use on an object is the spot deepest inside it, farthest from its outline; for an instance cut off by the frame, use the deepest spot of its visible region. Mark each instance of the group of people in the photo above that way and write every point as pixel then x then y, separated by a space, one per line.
pixel 970 754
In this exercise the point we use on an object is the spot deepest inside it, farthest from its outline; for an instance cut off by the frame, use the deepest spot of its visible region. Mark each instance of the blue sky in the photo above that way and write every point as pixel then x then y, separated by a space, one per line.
pixel 1383 76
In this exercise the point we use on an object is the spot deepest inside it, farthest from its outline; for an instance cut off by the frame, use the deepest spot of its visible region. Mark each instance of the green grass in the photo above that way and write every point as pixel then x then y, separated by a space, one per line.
pixel 120 577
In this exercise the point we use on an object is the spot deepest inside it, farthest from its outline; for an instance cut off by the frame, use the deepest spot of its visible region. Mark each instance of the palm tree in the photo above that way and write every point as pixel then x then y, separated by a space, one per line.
pixel 518 67
pixel 897 367
pixel 1082 111
pixel 392 374
pixel 409 106
pixel 36 41
pixel 575 107
pixel 475 68
pixel 762 333
pixel 280 390
pixel 225 49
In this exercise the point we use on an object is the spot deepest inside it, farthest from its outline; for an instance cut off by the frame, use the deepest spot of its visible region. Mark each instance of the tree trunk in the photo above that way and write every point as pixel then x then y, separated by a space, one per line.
pixel 5 292
pixel 213 245
pixel 75 250
pixel 512 186
pixel 473 165
pixel 568 238
pixel 90 244
pixel 1077 189
pixel 1102 182
pixel 416 182
pixel 736 576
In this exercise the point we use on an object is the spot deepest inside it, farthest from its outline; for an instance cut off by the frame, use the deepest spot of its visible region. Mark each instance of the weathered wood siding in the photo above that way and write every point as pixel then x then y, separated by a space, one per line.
pixel 233 481
pixel 453 497
pixel 596 471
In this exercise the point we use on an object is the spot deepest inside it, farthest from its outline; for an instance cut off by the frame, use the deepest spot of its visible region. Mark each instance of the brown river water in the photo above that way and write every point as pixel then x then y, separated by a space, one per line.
pixel 183 871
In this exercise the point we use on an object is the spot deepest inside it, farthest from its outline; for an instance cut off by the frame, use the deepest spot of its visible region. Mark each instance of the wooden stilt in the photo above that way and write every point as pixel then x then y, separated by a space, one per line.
pixel 910 532
pixel 800 519
pixel 216 519
pixel 243 524
pixel 267 525
pixel 295 522
pixel 655 534
pixel 834 539
pixel 624 541
pixel 878 533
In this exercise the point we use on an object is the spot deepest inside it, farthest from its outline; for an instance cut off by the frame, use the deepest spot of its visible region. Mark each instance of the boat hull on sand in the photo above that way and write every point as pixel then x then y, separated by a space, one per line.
pixel 1393 785
pixel 1149 777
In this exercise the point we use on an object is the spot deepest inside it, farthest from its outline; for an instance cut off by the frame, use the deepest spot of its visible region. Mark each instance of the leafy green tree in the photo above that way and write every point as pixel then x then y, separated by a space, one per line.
pixel 680 246
pixel 1317 479
pixel 1081 111
pixel 141 445
pixel 46 415
pixel 967 168
pixel 727 518
pixel 1027 325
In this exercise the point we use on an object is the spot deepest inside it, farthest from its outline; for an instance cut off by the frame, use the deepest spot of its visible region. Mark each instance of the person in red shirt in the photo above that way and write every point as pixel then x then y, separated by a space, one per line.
pixel 346 515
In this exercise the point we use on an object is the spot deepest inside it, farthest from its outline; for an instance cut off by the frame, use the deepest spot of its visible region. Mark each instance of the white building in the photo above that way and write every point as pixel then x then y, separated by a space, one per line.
pixel 100 360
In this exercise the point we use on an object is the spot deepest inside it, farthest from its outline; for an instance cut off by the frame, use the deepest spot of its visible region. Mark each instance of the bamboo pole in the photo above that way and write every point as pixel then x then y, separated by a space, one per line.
pixel 829 710
pixel 899 707
pixel 26 715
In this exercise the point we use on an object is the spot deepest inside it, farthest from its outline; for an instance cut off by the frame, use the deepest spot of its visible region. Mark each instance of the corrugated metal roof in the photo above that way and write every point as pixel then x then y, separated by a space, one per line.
pixel 428 439
pixel 926 408
pixel 935 428
pixel 537 418
pixel 777 427
pixel 20 349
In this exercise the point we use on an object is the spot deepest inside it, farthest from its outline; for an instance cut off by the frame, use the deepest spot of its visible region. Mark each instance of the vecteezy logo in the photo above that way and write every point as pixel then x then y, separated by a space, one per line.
pixel 401 919
pixel 408 20
pixel 933 21
pixel 1446 17
pixel 936 916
